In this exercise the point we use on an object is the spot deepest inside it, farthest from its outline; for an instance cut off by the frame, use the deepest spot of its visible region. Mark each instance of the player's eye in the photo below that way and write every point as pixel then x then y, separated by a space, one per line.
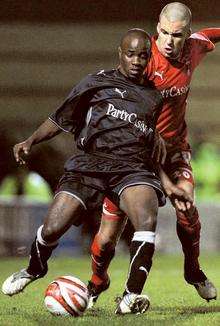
pixel 144 55
pixel 164 32
pixel 177 35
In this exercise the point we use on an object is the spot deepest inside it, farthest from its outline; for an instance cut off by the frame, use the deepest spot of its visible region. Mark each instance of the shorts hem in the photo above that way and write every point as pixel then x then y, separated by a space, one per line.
pixel 161 199
pixel 73 195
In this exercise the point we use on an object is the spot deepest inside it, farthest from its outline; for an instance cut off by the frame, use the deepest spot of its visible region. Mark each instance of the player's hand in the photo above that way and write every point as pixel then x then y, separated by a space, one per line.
pixel 21 151
pixel 159 149
pixel 180 199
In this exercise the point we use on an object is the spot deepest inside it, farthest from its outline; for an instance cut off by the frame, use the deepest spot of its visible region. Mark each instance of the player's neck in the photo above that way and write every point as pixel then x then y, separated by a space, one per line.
pixel 135 81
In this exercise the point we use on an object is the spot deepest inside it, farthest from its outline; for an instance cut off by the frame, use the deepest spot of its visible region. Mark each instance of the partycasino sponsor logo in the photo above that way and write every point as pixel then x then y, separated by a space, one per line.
pixel 174 91
pixel 129 117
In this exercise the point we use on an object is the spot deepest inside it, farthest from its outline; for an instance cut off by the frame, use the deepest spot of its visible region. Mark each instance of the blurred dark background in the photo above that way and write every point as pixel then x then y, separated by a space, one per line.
pixel 46 47
pixel 85 11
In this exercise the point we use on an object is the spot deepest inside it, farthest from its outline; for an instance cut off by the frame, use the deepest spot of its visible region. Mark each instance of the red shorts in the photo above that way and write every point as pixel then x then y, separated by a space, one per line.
pixel 177 165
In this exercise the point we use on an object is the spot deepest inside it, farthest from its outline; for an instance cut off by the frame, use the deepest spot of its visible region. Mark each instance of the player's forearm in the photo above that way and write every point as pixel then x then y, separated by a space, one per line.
pixel 212 33
pixel 46 131
pixel 165 181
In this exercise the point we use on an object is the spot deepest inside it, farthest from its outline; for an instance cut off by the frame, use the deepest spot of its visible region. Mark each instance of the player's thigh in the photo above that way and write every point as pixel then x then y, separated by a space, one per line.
pixel 63 212
pixel 140 204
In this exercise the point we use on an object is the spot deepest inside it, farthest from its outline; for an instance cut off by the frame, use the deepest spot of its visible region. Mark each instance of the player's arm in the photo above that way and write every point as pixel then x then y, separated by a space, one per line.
pixel 178 197
pixel 46 131
pixel 213 34
pixel 159 149
pixel 67 117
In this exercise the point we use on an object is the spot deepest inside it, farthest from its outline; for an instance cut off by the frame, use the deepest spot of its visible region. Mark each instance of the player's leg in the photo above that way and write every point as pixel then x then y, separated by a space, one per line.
pixel 178 168
pixel 188 231
pixel 103 248
pixel 140 204
pixel 63 212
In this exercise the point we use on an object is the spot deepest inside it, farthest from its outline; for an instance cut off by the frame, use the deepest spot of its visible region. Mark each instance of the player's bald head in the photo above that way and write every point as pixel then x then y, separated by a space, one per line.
pixel 134 53
pixel 173 29
pixel 140 35
pixel 177 11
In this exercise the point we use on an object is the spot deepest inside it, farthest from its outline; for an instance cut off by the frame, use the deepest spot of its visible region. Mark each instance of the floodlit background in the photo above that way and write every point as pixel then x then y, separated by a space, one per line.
pixel 46 48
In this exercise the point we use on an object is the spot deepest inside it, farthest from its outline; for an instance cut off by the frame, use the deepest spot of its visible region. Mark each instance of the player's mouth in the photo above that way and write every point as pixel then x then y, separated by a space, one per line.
pixel 136 71
pixel 168 51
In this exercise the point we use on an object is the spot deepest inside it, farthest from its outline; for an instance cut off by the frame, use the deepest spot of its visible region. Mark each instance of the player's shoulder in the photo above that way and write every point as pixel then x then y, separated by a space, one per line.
pixel 92 79
pixel 199 36
pixel 200 41
pixel 102 73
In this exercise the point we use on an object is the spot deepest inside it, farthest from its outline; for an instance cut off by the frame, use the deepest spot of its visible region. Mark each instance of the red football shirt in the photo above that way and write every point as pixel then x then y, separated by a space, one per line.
pixel 173 78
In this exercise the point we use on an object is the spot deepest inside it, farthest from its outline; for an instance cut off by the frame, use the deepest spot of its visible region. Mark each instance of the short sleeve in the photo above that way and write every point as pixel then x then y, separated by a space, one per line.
pixel 70 115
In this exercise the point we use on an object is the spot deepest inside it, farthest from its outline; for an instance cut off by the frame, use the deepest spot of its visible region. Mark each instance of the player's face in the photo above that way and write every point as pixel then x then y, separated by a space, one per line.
pixel 171 37
pixel 134 56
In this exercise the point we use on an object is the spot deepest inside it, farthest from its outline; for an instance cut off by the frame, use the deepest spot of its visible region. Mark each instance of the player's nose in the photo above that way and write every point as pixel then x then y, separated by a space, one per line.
pixel 169 39
pixel 136 60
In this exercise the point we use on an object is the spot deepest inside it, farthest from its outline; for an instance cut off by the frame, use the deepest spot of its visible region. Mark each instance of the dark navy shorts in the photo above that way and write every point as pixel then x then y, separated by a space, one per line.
pixel 91 188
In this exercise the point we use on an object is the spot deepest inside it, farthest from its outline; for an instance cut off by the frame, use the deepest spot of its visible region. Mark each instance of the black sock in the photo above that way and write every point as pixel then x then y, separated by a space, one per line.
pixel 141 254
pixel 39 256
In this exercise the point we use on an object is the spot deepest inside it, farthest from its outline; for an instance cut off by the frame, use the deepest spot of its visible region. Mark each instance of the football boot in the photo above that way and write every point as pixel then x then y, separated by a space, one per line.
pixel 16 283
pixel 132 303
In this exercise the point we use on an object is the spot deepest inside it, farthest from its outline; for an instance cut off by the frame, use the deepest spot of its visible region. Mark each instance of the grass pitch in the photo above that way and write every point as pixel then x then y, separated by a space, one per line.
pixel 173 302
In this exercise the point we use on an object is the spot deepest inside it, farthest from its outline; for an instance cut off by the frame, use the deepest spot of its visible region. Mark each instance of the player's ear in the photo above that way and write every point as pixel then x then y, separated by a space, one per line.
pixel 189 32
pixel 158 28
pixel 119 52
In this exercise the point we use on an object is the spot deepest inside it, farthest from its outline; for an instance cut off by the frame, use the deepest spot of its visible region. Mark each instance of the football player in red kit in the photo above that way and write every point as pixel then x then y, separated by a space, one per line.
pixel 176 52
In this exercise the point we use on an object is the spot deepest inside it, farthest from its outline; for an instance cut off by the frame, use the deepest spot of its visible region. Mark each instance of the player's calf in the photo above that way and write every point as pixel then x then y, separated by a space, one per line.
pixel 141 251
pixel 103 249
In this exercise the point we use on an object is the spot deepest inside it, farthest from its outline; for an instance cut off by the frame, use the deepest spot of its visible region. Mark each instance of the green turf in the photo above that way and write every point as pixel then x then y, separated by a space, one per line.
pixel 173 302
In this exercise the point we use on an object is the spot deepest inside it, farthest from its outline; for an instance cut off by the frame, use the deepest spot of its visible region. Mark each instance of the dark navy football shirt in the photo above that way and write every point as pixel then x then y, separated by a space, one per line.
pixel 110 117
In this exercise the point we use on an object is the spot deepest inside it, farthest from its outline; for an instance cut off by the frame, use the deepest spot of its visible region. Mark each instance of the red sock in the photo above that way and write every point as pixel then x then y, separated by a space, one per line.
pixel 188 230
pixel 101 258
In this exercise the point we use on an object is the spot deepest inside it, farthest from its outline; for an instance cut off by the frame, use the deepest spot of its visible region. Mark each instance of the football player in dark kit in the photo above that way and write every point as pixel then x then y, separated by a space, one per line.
pixel 112 117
